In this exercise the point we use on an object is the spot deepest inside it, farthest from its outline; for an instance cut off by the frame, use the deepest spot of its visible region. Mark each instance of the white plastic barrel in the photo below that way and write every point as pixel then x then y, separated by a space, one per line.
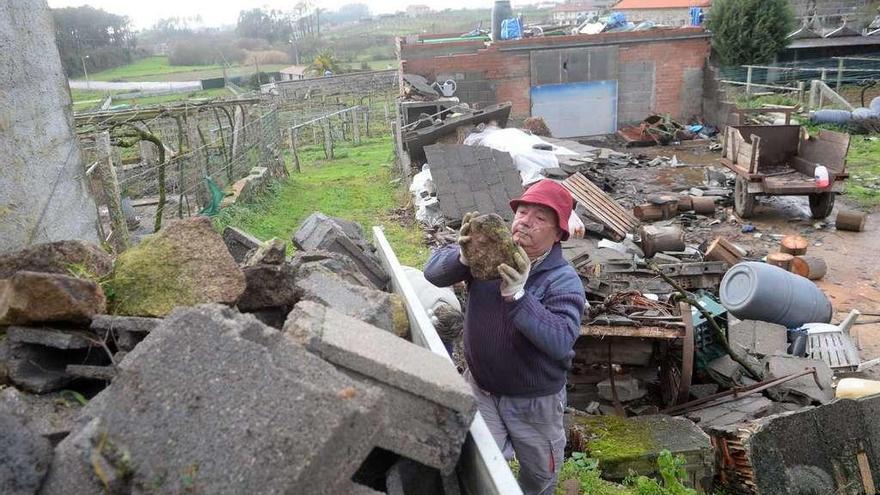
pixel 758 291
pixel 820 173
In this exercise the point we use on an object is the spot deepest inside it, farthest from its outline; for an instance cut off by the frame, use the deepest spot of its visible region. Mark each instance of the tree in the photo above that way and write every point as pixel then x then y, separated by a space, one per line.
pixel 749 31
pixel 271 25
pixel 105 38
pixel 323 62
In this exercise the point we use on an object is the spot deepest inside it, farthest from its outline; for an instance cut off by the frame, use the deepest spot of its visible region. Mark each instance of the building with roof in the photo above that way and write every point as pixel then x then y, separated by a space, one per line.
pixel 293 73
pixel 661 12
pixel 417 10
pixel 569 13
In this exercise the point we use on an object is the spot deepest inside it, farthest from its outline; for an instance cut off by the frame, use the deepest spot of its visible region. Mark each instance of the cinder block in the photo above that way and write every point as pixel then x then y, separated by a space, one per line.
pixel 431 406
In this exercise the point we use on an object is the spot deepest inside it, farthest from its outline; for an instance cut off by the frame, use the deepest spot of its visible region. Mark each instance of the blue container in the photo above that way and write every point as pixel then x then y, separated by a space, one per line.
pixel 758 291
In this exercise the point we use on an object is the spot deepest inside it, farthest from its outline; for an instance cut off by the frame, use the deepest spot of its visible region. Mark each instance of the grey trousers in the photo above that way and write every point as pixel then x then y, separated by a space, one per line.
pixel 531 428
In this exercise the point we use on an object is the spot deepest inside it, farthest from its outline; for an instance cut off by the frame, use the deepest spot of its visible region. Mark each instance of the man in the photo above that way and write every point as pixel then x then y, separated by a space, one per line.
pixel 519 332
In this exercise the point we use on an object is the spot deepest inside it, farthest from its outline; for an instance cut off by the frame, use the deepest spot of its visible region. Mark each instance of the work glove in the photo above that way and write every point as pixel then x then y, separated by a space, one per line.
pixel 513 280
pixel 463 237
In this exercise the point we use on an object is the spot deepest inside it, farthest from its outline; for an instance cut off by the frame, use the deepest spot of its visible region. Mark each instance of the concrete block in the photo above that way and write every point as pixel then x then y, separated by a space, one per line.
pixel 758 337
pixel 339 264
pixel 40 369
pixel 319 231
pixel 24 457
pixel 408 477
pixel 50 415
pixel 382 309
pixel 125 331
pixel 51 337
pixel 239 243
pixel 807 388
pixel 627 388
pixel 732 412
pixel 216 400
pixel 268 286
pixel 431 404
pixel 644 437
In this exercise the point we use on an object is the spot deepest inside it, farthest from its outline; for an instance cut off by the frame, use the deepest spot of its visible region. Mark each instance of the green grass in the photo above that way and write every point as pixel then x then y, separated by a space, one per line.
pixel 158 69
pixel 863 164
pixel 174 97
pixel 356 185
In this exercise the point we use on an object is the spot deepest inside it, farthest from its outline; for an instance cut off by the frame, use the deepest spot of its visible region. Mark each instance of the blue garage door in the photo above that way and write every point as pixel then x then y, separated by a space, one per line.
pixel 577 109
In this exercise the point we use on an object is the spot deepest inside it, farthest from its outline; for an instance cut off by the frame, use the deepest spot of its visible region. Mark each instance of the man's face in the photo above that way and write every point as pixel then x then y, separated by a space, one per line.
pixel 535 228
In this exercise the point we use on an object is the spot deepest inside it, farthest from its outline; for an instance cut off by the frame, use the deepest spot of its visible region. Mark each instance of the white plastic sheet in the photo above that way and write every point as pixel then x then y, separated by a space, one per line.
pixel 528 160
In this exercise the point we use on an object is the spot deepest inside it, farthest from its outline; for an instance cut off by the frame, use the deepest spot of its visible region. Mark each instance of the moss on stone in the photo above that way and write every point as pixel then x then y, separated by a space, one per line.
pixel 610 438
pixel 147 282
pixel 399 318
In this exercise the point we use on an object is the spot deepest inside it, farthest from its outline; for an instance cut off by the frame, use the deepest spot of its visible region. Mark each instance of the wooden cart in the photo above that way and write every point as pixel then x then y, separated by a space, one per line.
pixel 667 349
pixel 780 160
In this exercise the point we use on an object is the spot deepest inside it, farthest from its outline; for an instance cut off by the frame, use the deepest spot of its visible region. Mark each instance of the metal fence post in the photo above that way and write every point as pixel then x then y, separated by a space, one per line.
pixel 749 82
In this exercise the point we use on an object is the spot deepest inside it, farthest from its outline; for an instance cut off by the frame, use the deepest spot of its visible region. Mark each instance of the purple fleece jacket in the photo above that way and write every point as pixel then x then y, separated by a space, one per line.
pixel 521 348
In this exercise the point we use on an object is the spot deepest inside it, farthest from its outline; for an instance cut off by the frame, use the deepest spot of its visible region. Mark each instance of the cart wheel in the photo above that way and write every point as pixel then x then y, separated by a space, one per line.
pixel 677 368
pixel 743 202
pixel 821 204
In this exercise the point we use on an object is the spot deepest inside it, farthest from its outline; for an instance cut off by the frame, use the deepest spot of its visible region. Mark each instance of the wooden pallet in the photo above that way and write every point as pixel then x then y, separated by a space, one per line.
pixel 601 207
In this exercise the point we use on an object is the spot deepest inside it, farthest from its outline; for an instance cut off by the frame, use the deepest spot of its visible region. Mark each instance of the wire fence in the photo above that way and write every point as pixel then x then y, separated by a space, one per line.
pixel 178 162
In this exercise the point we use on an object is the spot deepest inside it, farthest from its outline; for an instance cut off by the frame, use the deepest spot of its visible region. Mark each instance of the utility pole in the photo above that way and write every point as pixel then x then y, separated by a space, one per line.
pixel 88 85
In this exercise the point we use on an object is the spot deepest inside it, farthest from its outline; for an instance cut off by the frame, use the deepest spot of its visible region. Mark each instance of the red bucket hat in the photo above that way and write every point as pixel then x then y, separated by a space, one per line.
pixel 552 195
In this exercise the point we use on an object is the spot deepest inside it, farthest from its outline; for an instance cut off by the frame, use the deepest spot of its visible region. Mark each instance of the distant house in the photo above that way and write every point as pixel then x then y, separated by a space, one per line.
pixel 568 13
pixel 417 10
pixel 662 12
pixel 293 73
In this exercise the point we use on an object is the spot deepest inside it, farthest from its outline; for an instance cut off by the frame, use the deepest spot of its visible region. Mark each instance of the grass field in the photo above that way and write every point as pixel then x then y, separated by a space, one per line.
pixel 158 69
pixel 356 185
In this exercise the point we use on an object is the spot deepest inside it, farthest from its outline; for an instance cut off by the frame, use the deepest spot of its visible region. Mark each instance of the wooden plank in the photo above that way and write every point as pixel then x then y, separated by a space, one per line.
pixel 829 148
pixel 600 206
pixel 632 332
pixel 753 160
pixel 865 472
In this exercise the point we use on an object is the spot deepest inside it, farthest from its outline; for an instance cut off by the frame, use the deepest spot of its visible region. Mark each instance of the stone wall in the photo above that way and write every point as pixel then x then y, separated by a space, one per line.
pixel 43 196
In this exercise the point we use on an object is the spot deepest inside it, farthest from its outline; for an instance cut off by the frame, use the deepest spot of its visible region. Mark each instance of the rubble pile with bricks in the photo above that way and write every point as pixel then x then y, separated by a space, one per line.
pixel 231 368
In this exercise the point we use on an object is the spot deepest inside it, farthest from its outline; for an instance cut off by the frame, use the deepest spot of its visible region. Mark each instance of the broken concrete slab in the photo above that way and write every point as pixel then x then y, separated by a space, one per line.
pixel 627 387
pixel 63 257
pixel 52 337
pixel 761 338
pixel 743 409
pixel 184 264
pixel 339 264
pixel 51 415
pixel 811 389
pixel 269 253
pixel 41 369
pixel 432 405
pixel 268 286
pixel 125 331
pixel 210 387
pixel 823 449
pixel 320 232
pixel 490 245
pixel 24 457
pixel 239 243
pixel 473 178
pixel 33 297
pixel 381 309
pixel 632 445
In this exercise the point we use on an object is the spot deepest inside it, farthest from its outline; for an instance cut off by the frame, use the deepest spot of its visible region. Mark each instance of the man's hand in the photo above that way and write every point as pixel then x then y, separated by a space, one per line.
pixel 463 237
pixel 514 280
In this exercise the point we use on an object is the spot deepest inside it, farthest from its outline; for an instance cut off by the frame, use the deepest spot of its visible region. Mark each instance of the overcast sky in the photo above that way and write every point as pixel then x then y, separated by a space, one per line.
pixel 145 13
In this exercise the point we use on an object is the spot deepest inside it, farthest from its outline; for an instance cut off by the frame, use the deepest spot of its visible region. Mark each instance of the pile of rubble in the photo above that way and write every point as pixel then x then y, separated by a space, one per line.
pixel 219 365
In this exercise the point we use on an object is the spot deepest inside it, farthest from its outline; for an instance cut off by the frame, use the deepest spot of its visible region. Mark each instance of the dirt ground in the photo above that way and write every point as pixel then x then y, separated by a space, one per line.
pixel 853 258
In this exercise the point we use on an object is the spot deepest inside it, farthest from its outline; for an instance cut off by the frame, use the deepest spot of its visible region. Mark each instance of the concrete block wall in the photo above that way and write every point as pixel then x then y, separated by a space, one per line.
pixel 471 87
pixel 660 71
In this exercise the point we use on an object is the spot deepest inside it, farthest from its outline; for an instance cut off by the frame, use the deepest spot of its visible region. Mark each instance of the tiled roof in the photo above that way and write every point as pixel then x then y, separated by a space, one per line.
pixel 660 4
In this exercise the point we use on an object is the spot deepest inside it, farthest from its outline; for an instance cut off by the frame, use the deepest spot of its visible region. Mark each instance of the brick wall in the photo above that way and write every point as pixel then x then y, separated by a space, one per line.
pixel 659 71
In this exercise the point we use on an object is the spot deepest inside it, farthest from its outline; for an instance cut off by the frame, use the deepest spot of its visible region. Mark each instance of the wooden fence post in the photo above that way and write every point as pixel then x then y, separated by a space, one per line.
pixel 328 139
pixel 294 135
pixel 107 177
pixel 354 126
pixel 840 63
pixel 749 82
